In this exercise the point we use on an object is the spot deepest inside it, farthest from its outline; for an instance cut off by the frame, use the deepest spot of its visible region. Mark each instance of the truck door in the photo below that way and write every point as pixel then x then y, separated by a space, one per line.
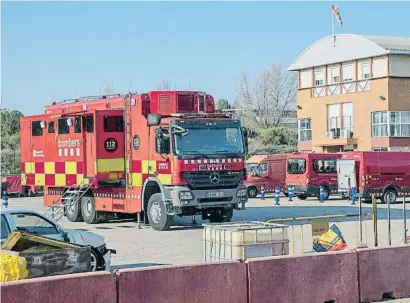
pixel 346 175
pixel 110 145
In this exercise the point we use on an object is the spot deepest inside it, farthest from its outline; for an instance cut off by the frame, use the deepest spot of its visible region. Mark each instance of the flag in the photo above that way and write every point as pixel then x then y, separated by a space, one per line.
pixel 336 14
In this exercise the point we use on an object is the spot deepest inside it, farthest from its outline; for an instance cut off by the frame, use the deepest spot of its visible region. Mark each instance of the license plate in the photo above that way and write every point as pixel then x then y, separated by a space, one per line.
pixel 216 194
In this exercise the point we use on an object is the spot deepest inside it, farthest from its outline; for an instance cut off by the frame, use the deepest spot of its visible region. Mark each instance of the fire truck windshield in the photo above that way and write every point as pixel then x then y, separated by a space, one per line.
pixel 208 138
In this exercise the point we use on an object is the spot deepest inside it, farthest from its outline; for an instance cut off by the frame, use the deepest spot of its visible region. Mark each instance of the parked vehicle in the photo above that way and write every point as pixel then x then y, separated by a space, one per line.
pixel 33 222
pixel 12 185
pixel 306 172
pixel 267 170
pixel 160 154
pixel 385 174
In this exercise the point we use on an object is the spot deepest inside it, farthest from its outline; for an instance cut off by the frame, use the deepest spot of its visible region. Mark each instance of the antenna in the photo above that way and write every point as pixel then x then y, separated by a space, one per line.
pixel 112 84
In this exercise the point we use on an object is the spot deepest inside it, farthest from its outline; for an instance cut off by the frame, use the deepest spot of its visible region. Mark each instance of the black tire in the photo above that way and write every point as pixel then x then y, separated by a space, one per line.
pixel 88 211
pixel 252 192
pixel 157 213
pixel 302 197
pixel 389 194
pixel 73 211
pixel 326 193
pixel 98 259
pixel 221 216
pixel 286 194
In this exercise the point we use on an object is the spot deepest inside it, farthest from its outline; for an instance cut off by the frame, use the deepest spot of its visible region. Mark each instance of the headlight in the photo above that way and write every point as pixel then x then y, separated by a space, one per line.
pixel 242 193
pixel 185 195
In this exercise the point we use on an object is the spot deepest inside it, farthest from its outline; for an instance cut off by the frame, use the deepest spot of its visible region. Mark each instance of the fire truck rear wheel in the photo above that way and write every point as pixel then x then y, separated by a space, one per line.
pixel 90 214
pixel 157 213
pixel 252 192
pixel 73 211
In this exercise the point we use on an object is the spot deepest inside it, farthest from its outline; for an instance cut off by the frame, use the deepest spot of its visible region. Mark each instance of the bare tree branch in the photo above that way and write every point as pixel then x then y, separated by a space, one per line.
pixel 266 99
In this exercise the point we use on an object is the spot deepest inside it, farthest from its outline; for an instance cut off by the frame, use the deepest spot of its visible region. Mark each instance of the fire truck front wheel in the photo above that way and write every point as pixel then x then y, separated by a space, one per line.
pixel 252 192
pixel 90 214
pixel 157 213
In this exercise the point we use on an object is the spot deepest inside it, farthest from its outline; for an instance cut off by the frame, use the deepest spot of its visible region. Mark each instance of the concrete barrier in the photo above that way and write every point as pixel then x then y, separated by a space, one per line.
pixel 88 287
pixel 222 282
pixel 330 276
pixel 384 271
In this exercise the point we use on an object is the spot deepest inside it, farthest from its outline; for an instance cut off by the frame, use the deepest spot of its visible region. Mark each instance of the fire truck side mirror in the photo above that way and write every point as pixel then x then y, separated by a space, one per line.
pixel 245 139
pixel 153 119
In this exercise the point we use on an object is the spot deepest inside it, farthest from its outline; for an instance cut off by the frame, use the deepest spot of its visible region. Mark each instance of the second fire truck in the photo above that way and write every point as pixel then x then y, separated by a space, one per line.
pixel 160 154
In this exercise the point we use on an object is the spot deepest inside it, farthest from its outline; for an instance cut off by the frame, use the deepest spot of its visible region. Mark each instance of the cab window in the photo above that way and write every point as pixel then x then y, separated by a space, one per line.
pixel 51 127
pixel 296 166
pixel 261 170
pixel 89 124
pixel 36 129
pixel 63 127
pixel 113 124
pixel 324 165
pixel 77 125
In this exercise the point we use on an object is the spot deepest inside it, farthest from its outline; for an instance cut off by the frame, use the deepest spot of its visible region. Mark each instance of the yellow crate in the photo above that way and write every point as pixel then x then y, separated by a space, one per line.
pixel 12 268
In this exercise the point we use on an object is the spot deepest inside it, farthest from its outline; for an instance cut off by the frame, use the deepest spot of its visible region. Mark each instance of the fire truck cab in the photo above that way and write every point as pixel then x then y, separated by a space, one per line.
pixel 161 153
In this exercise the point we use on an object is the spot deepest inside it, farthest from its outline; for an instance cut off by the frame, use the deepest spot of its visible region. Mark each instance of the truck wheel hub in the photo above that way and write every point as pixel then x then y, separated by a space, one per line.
pixel 155 212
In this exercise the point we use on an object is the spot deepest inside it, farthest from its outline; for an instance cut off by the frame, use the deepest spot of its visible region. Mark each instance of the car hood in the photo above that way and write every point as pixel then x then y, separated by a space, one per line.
pixel 84 237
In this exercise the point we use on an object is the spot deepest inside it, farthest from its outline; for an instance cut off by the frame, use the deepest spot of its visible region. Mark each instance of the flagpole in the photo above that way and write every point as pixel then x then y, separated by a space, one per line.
pixel 333 30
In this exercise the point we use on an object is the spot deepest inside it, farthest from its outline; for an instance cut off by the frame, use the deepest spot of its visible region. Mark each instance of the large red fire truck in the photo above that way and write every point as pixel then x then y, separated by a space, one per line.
pixel 161 153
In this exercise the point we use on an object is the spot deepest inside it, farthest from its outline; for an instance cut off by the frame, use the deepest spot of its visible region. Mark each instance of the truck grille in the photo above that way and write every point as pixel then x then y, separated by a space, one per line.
pixel 202 180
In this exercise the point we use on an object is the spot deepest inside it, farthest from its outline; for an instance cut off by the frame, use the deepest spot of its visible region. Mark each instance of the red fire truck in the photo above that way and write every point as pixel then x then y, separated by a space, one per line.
pixel 161 153
pixel 306 172
pixel 385 174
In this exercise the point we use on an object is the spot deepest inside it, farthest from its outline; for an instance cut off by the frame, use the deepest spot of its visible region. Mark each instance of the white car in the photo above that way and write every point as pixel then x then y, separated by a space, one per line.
pixel 33 222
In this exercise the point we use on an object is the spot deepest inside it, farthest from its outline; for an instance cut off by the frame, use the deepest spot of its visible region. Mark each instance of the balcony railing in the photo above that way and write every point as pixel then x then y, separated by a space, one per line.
pixel 341 88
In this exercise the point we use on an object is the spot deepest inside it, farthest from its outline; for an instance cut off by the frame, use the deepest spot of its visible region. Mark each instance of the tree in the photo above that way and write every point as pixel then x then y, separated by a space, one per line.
pixel 164 85
pixel 10 141
pixel 222 104
pixel 265 99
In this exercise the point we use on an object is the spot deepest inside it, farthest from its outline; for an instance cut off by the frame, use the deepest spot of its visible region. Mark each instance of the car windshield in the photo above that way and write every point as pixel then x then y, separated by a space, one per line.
pixel 250 167
pixel 296 166
pixel 208 138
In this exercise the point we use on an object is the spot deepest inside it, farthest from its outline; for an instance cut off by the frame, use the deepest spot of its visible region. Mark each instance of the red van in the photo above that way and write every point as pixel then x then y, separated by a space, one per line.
pixel 385 174
pixel 12 185
pixel 267 170
pixel 306 172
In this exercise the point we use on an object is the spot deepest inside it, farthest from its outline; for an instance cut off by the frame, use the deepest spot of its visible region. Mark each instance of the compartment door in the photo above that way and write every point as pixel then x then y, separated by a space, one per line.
pixel 346 175
pixel 110 144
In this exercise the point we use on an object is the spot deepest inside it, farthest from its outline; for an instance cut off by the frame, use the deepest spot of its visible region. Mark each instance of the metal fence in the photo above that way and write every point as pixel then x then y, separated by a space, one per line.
pixel 365 227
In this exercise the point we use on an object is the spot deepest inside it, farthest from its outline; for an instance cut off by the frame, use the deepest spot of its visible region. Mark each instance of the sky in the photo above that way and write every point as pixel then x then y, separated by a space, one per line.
pixel 52 51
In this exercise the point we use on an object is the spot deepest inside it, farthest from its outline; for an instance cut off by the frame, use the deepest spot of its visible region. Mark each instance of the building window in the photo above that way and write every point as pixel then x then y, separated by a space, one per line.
pixel 319 78
pixel 380 149
pixel 391 124
pixel 365 71
pixel 333 124
pixel 380 124
pixel 347 109
pixel 304 130
pixel 347 72
pixel 334 74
